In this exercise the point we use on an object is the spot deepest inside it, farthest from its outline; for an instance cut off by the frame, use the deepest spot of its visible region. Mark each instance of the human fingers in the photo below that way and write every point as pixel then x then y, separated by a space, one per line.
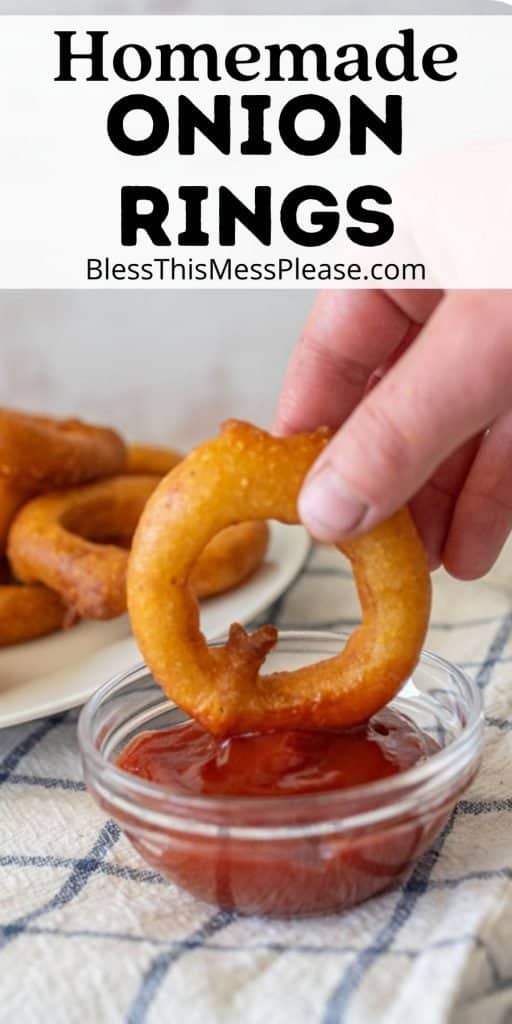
pixel 482 518
pixel 448 386
pixel 433 506
pixel 347 336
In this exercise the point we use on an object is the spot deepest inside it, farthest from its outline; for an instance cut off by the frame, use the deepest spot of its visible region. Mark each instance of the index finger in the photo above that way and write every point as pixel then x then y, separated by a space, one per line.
pixel 347 336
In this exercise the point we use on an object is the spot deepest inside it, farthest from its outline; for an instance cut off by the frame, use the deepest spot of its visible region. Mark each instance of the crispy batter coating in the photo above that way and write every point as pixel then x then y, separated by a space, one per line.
pixel 230 558
pixel 149 458
pixel 243 474
pixel 62 540
pixel 42 452
pixel 39 453
pixel 12 497
pixel 28 612
pixel 75 542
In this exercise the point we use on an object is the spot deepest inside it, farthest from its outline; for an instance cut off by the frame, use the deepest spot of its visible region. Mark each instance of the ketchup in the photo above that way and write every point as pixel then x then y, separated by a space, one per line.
pixel 287 865
pixel 188 760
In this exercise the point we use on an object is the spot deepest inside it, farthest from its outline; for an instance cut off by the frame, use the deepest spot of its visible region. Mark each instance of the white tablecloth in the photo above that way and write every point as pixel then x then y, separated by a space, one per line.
pixel 89 934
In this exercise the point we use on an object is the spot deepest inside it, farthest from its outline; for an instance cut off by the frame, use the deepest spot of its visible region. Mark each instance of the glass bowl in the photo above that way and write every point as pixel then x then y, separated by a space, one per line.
pixel 286 855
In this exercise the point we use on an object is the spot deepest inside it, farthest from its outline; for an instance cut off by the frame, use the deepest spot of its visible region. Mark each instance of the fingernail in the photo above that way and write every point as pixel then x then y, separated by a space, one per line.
pixel 328 507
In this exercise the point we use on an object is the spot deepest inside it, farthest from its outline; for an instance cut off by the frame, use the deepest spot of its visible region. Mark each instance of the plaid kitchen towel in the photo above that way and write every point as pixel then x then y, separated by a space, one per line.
pixel 89 934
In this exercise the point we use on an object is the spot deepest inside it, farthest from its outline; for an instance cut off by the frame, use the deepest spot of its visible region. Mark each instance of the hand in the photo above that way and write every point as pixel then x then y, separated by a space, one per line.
pixel 418 385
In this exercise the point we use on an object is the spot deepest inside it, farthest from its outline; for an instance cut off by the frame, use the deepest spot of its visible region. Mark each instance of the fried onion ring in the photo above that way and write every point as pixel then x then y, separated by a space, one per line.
pixel 12 497
pixel 243 474
pixel 27 612
pixel 229 558
pixel 31 462
pixel 42 452
pixel 149 458
pixel 60 540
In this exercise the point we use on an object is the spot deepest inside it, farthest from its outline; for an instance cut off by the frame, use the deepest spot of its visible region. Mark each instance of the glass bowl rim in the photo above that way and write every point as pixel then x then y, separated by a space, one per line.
pixel 431 776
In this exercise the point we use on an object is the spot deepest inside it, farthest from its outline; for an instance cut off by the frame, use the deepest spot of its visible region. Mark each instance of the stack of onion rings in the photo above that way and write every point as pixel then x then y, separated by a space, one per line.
pixel 75 542
pixel 246 474
pixel 38 453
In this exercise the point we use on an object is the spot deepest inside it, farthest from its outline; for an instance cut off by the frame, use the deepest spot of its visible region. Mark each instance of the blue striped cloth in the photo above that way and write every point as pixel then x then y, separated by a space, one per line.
pixel 89 934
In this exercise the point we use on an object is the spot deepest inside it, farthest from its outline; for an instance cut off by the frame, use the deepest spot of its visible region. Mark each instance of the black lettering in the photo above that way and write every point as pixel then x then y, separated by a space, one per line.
pixel 193 233
pixel 142 56
pixel 357 210
pixel 258 221
pixel 133 220
pixel 430 61
pixel 95 55
pixel 309 271
pixel 363 120
pixel 328 223
pixel 330 131
pixel 405 51
pixel 161 262
pixel 339 272
pixel 220 272
pixel 285 266
pixel 191 119
pixel 179 270
pixel 256 144
pixel 360 62
pixel 94 270
pixel 138 147
pixel 354 272
pixel 233 60
pixel 324 272
pixel 297 54
pixel 188 55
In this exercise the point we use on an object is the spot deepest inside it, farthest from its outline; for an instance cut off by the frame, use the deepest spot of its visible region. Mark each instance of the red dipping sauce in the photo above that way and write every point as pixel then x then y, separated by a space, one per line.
pixel 274 841
pixel 187 759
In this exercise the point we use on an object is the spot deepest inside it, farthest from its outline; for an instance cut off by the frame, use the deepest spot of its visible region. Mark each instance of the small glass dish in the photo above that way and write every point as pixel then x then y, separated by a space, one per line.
pixel 287 855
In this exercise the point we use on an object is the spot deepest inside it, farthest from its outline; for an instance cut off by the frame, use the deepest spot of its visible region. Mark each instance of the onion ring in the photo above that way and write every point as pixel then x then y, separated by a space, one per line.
pixel 42 452
pixel 243 474
pixel 37 453
pixel 27 612
pixel 60 540
pixel 149 458
pixel 229 558
pixel 12 497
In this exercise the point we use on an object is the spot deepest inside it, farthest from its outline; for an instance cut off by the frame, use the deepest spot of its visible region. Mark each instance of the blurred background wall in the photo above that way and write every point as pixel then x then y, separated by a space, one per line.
pixel 164 366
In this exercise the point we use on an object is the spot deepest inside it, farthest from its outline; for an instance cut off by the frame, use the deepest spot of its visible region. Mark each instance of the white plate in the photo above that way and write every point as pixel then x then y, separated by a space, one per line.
pixel 62 671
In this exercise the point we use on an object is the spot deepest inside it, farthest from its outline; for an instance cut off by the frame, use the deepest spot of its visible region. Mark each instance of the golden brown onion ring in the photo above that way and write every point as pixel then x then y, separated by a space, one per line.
pixel 12 497
pixel 247 474
pixel 60 540
pixel 28 612
pixel 148 458
pixel 42 452
pixel 229 558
